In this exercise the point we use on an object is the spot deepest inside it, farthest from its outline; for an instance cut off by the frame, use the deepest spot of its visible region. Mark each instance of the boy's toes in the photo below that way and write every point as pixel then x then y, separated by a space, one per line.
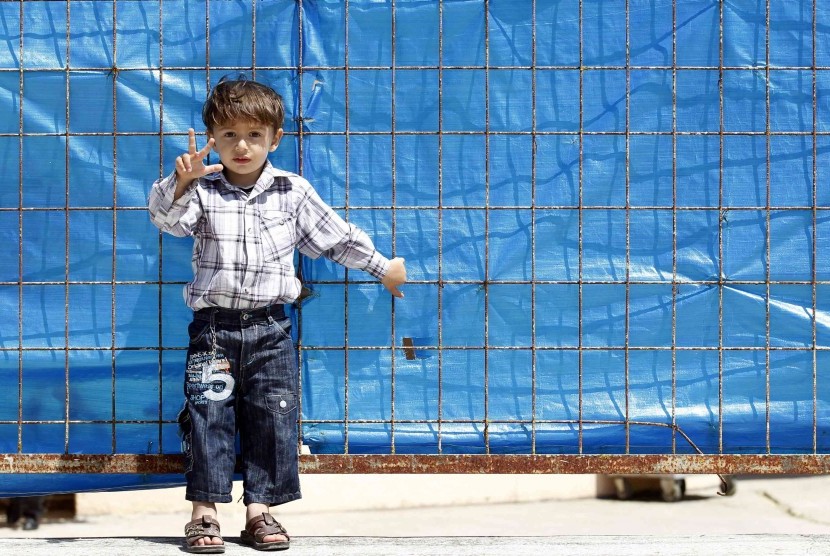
pixel 263 532
pixel 204 541
pixel 202 532
pixel 207 541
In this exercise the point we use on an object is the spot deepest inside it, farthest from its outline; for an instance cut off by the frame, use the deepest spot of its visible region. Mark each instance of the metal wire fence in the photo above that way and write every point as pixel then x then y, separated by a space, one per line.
pixel 641 157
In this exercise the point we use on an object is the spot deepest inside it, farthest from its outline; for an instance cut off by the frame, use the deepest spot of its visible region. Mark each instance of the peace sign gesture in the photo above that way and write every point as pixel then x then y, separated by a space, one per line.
pixel 191 166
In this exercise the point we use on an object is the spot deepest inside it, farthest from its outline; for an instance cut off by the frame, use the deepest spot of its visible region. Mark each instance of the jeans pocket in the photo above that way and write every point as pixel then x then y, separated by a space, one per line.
pixel 197 329
pixel 281 327
pixel 185 433
pixel 282 402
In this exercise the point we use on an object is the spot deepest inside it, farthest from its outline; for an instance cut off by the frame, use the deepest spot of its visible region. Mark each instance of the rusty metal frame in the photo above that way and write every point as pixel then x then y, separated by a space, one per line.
pixel 444 464
pixel 678 461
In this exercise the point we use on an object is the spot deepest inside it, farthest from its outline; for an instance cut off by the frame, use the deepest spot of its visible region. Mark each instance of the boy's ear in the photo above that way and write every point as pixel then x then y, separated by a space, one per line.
pixel 209 134
pixel 276 141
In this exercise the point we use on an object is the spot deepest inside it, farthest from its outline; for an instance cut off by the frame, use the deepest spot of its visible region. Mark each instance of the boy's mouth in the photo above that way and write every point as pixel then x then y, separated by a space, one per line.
pixel 241 160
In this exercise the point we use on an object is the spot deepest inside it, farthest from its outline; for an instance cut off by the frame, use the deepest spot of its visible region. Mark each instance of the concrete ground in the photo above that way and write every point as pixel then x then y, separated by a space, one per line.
pixel 549 514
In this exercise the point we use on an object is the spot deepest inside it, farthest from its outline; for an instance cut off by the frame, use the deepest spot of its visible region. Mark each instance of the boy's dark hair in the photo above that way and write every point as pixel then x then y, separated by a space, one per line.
pixel 242 100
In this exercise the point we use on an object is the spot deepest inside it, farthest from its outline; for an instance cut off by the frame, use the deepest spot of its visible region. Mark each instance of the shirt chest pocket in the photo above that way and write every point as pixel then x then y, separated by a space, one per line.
pixel 278 234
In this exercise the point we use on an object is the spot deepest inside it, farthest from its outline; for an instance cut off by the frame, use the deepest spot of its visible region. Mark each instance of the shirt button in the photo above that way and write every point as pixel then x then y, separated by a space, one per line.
pixel 283 404
pixel 250 229
pixel 246 316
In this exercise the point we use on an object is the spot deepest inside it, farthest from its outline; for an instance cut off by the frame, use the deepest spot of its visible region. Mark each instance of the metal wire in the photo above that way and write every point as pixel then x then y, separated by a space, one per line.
pixel 347 161
pixel 720 228
pixel 768 246
pixel 440 209
pixel 674 227
pixel 486 226
pixel 581 398
pixel 159 298
pixel 533 153
pixel 20 250
pixel 813 273
pixel 393 53
pixel 627 331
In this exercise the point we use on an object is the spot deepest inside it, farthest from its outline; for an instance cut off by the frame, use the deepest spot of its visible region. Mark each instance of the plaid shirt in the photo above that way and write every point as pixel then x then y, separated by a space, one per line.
pixel 244 241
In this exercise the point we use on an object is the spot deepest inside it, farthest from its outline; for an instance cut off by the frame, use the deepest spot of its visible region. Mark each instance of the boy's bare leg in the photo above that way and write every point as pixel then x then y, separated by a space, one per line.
pixel 254 510
pixel 201 509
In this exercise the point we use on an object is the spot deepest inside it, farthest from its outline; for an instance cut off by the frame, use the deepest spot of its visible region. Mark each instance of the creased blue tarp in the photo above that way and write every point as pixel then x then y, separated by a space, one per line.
pixel 513 240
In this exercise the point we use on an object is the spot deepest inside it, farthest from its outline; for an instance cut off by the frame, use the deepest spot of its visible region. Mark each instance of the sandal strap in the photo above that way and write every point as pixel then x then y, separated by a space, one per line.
pixel 204 526
pixel 263 525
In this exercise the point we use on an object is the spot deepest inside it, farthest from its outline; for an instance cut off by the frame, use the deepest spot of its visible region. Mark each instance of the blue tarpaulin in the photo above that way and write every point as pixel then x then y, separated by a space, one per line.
pixel 614 217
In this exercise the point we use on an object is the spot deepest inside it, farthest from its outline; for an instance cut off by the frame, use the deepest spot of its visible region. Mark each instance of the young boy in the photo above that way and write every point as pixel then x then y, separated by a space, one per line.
pixel 246 218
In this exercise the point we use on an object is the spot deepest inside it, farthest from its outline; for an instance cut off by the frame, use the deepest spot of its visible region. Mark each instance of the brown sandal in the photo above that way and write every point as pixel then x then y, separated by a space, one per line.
pixel 201 527
pixel 260 527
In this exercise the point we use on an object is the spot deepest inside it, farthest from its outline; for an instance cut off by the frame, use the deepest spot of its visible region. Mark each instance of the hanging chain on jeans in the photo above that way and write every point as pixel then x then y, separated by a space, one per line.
pixel 215 369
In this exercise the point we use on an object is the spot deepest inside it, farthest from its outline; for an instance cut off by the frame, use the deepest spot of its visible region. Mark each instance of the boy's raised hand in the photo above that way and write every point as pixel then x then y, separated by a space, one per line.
pixel 395 276
pixel 191 166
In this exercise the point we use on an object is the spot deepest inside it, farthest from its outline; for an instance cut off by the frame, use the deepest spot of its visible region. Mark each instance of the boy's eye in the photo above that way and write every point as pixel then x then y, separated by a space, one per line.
pixel 229 134
pixel 255 134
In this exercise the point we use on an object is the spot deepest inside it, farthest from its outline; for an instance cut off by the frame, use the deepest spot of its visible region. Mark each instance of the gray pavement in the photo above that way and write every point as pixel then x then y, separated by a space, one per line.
pixel 444 546
pixel 766 516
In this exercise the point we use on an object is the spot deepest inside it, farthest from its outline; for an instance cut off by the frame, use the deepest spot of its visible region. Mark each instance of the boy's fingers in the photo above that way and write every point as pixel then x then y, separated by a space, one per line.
pixel 206 149
pixel 183 162
pixel 213 168
pixel 191 141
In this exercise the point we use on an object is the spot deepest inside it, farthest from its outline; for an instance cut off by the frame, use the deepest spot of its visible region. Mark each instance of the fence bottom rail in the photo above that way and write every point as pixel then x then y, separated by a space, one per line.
pixel 731 464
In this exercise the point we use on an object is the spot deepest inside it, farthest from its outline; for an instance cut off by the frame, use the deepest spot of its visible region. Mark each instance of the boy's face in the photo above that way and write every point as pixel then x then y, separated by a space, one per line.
pixel 243 148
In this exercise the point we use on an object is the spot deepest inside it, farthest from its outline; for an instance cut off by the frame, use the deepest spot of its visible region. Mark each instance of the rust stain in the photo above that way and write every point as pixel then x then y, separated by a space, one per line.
pixel 450 464
pixel 115 464
pixel 568 464
pixel 409 348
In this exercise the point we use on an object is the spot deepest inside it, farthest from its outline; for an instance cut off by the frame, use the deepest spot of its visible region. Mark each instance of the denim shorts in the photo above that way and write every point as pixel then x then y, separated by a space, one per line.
pixel 241 376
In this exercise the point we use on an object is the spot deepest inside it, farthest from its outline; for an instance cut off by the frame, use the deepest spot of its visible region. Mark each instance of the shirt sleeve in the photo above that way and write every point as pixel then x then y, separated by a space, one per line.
pixel 321 231
pixel 178 217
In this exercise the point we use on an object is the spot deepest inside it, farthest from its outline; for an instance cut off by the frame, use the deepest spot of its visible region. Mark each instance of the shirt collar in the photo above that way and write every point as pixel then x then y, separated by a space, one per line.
pixel 269 177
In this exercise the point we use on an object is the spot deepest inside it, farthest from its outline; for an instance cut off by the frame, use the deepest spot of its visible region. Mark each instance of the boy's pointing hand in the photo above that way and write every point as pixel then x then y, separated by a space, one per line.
pixel 191 166
pixel 395 276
